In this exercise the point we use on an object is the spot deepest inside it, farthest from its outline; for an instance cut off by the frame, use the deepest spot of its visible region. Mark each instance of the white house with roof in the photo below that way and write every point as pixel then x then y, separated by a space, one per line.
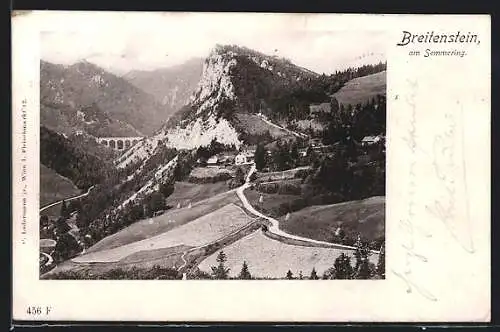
pixel 370 140
pixel 316 109
pixel 240 159
pixel 213 161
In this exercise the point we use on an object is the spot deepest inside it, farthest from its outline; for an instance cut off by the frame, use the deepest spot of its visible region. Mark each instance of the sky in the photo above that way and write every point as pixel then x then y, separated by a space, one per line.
pixel 121 42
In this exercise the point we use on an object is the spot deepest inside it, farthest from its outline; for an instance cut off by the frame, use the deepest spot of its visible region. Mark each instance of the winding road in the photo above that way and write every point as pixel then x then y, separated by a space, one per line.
pixel 275 223
pixel 274 228
pixel 49 257
pixel 66 199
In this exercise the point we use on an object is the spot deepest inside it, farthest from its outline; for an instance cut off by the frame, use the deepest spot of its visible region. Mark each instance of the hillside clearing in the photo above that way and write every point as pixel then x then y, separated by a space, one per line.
pixel 172 218
pixel 255 125
pixel 273 205
pixel 209 174
pixel 319 222
pixel 362 89
pixel 54 187
pixel 267 258
pixel 203 230
pixel 186 192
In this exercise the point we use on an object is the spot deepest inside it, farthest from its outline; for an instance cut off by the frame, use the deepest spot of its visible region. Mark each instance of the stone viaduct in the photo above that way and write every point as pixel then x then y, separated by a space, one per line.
pixel 119 143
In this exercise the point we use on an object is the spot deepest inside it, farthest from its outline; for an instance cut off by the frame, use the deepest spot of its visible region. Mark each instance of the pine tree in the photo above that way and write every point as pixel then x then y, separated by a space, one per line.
pixel 220 271
pixel 342 267
pixel 294 153
pixel 361 252
pixel 260 157
pixel 363 271
pixel 314 275
pixel 300 275
pixel 244 273
pixel 289 275
pixel 64 210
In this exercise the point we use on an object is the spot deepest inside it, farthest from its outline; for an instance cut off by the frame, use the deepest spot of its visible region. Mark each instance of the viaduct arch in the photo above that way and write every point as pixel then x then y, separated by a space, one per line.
pixel 119 143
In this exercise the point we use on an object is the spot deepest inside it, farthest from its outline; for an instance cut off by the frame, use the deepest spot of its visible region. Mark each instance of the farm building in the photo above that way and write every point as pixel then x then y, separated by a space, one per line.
pixel 240 159
pixel 250 154
pixel 316 109
pixel 303 152
pixel 315 142
pixel 201 162
pixel 213 161
pixel 370 140
pixel 226 158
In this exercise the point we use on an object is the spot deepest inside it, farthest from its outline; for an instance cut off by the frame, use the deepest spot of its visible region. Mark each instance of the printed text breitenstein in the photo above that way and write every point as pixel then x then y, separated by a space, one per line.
pixel 438 38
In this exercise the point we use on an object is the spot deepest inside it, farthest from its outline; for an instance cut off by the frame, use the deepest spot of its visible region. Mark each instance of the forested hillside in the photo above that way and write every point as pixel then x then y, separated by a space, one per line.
pixel 86 96
pixel 62 156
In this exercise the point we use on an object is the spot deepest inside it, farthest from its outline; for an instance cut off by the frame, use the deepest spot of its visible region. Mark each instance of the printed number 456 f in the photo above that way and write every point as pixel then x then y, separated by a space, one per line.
pixel 38 310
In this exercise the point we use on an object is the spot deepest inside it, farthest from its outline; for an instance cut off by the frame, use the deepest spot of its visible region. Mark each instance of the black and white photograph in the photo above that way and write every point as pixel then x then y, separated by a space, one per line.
pixel 224 155
pixel 216 167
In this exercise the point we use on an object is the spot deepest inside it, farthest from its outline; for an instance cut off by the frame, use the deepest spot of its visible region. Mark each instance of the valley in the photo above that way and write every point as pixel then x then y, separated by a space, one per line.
pixel 229 177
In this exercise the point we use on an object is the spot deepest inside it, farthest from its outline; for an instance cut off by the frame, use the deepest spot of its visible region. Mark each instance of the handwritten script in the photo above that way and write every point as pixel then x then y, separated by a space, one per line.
pixel 445 204
pixel 452 177
pixel 413 231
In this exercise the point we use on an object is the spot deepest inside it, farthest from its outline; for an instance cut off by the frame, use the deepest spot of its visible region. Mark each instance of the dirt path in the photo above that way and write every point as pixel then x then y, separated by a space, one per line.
pixel 49 257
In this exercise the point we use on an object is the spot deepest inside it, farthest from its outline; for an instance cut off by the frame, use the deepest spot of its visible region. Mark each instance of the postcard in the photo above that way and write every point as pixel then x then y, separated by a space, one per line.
pixel 198 167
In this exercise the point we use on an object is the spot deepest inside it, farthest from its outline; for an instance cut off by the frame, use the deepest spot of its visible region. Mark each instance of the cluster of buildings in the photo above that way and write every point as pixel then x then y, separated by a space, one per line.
pixel 229 158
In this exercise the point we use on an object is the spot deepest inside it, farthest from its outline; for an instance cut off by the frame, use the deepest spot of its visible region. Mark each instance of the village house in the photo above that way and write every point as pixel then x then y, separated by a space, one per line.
pixel 225 158
pixel 212 161
pixel 201 162
pixel 317 109
pixel 315 142
pixel 240 159
pixel 370 140
pixel 250 154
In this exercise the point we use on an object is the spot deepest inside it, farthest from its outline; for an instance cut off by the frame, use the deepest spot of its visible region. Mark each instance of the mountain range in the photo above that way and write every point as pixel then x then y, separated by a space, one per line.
pixel 85 97
pixel 243 97
pixel 171 86
pixel 235 95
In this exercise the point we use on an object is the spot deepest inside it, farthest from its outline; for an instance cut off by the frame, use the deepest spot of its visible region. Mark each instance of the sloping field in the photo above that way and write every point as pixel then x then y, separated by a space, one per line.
pixel 319 222
pixel 203 230
pixel 174 217
pixel 164 258
pixel 273 205
pixel 54 187
pixel 267 258
pixel 186 192
pixel 362 89
pixel 209 174
pixel 254 125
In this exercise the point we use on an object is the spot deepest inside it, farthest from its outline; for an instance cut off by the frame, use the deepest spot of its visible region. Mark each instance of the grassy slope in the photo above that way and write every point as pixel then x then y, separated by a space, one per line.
pixel 320 222
pixel 273 258
pixel 270 202
pixel 172 218
pixel 254 125
pixel 186 192
pixel 201 231
pixel 362 89
pixel 54 187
